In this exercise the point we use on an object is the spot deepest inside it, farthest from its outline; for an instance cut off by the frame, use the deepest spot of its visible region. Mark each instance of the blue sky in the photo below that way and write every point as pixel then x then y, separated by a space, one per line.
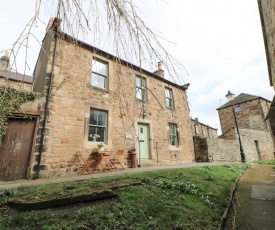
pixel 219 42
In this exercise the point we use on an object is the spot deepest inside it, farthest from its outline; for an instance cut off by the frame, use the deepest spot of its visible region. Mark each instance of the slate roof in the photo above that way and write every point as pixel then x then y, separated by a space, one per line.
pixel 16 76
pixel 241 98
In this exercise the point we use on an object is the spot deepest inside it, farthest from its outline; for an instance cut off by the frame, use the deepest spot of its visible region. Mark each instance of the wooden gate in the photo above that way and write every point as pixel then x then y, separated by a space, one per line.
pixel 16 150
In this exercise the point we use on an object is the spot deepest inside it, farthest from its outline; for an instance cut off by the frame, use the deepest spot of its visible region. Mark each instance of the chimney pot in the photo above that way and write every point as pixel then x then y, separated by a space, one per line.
pixel 159 65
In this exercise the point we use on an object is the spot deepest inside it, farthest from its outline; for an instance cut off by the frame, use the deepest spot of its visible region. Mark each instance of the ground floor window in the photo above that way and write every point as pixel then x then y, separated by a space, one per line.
pixel 173 134
pixel 98 125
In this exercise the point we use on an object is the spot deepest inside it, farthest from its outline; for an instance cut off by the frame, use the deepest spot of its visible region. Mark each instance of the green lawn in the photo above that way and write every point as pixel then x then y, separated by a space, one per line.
pixel 266 162
pixel 193 198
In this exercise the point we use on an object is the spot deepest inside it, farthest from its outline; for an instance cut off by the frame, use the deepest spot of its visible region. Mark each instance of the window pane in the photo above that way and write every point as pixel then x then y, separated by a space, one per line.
pixel 168 103
pixel 167 93
pixel 138 81
pixel 92 132
pixel 173 140
pixel 139 94
pixel 101 133
pixel 143 82
pixel 98 80
pixel 101 118
pixel 93 117
pixel 99 67
pixel 172 129
pixel 143 94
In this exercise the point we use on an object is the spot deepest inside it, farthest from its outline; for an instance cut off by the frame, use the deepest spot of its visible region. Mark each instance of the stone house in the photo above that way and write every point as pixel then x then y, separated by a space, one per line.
pixel 12 78
pixel 202 130
pixel 94 97
pixel 267 16
pixel 251 112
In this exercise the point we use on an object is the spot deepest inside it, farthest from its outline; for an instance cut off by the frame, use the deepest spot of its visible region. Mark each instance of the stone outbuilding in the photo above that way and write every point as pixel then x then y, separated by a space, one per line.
pixel 19 130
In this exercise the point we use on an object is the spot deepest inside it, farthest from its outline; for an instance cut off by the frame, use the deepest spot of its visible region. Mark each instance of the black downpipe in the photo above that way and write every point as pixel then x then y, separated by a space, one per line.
pixel 46 112
pixel 194 145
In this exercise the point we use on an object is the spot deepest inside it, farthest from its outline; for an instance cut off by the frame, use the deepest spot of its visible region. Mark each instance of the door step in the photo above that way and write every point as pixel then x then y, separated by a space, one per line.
pixel 147 163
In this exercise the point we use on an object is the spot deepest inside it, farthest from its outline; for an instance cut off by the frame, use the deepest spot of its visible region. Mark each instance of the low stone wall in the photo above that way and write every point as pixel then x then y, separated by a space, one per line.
pixel 209 149
pixel 223 150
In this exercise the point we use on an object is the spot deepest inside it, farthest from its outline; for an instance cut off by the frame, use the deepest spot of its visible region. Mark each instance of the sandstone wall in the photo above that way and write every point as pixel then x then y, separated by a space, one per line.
pixel 252 115
pixel 15 84
pixel 265 144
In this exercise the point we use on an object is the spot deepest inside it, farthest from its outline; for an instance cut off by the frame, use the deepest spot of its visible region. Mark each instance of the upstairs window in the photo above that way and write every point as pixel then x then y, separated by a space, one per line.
pixel 99 74
pixel 173 135
pixel 141 91
pixel 97 126
pixel 169 98
pixel 197 129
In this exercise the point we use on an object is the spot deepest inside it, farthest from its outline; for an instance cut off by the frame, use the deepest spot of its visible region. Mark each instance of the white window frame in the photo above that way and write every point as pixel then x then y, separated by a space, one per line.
pixel 169 98
pixel 197 129
pixel 142 88
pixel 173 135
pixel 97 76
pixel 96 128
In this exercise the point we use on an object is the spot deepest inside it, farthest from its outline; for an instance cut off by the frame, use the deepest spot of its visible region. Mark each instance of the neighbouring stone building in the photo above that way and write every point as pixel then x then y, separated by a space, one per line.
pixel 256 137
pixel 202 130
pixel 251 116
pixel 93 97
pixel 251 112
pixel 267 15
pixel 12 78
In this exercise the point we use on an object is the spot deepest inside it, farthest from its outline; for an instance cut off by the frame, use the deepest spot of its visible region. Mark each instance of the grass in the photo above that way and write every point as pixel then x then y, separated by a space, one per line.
pixel 266 162
pixel 193 198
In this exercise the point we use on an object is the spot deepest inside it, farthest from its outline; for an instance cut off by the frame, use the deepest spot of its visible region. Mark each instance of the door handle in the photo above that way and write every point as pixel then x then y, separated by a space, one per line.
pixel 141 140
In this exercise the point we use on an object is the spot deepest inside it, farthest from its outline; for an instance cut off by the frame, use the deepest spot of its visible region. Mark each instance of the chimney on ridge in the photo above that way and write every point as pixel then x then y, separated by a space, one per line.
pixel 159 71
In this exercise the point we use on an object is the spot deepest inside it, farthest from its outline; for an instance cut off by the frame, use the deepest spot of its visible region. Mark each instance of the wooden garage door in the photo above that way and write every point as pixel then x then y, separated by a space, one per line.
pixel 16 149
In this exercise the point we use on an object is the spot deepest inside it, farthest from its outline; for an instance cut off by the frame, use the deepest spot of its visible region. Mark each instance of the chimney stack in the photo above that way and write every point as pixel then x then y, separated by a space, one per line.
pixel 4 61
pixel 159 71
pixel 55 23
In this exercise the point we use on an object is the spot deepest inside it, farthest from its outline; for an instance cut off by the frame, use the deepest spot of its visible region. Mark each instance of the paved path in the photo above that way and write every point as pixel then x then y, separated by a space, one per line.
pixel 254 203
pixel 18 183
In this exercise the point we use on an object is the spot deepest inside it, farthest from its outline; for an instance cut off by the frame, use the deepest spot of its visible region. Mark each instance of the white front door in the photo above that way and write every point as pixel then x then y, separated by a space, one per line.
pixel 143 138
